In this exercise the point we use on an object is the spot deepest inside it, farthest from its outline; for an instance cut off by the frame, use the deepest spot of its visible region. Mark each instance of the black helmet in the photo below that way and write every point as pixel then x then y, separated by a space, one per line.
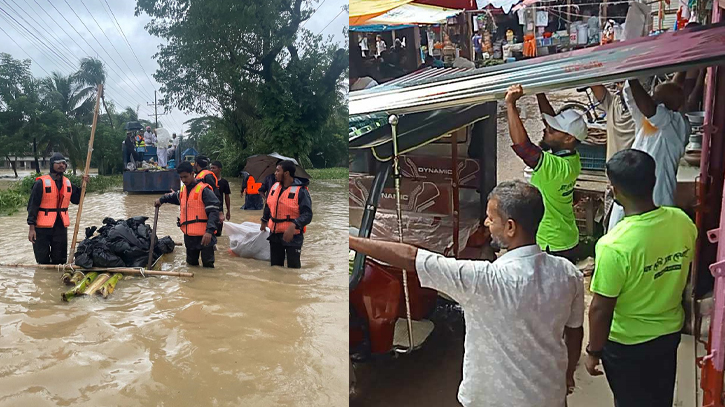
pixel 54 159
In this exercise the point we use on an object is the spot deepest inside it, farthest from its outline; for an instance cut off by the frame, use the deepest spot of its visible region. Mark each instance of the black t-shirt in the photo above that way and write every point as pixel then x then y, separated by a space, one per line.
pixel 224 187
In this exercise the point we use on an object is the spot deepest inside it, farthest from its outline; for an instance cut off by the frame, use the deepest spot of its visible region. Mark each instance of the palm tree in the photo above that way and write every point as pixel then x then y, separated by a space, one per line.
pixel 74 96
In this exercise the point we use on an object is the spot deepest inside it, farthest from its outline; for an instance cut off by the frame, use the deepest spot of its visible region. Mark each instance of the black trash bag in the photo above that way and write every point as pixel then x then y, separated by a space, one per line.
pixel 83 260
pixel 165 245
pixel 102 257
pixel 90 231
pixel 143 232
pixel 137 220
pixel 123 232
pixel 142 261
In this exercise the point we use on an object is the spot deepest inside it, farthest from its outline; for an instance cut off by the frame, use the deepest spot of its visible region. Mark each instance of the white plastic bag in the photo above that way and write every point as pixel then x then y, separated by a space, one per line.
pixel 246 240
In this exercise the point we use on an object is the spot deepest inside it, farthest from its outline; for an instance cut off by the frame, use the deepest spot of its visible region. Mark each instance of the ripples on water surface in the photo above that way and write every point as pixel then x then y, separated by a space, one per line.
pixel 242 334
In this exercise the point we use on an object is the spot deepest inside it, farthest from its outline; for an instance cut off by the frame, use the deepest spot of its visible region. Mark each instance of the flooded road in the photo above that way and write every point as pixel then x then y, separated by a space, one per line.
pixel 241 334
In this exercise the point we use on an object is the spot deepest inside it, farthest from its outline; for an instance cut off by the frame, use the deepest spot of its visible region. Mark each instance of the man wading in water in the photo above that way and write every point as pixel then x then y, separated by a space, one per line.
pixel 287 213
pixel 48 218
pixel 199 216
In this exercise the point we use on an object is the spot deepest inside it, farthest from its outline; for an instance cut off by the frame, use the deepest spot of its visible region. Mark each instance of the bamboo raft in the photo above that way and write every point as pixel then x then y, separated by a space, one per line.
pixel 99 280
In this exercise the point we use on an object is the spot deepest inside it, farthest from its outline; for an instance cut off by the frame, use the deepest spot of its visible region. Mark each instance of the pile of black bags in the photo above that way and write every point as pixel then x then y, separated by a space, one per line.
pixel 120 243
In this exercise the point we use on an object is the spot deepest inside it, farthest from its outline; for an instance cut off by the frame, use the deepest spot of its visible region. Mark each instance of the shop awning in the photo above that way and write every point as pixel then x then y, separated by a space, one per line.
pixel 378 28
pixel 413 13
pixel 455 4
pixel 363 10
pixel 692 47
pixel 505 5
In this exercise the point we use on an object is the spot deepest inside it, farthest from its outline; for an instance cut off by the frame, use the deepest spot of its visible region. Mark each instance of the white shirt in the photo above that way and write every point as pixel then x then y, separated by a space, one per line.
pixel 665 141
pixel 149 138
pixel 516 309
pixel 175 142
pixel 380 47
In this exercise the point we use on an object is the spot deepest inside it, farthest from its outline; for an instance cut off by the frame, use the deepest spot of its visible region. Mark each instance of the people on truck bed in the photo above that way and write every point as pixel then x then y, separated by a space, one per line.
pixel 48 218
pixel 556 166
pixel 523 312
pixel 149 137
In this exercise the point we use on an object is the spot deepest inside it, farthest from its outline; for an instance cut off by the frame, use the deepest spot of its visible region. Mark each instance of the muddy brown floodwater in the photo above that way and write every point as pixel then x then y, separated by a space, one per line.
pixel 242 334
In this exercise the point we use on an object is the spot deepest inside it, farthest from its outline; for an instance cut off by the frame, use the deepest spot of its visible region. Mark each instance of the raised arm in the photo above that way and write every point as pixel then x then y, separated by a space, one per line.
pixel 517 131
pixel 642 99
pixel 544 105
pixel 600 92
pixel 399 255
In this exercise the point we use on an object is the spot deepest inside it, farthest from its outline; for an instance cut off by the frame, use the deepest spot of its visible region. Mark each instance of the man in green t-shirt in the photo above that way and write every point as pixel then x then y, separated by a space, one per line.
pixel 555 172
pixel 641 270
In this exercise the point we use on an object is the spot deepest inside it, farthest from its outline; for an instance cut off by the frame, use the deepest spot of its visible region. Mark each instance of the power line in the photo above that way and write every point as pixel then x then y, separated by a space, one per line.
pixel 21 48
pixel 96 39
pixel 328 24
pixel 120 29
pixel 73 68
pixel 63 59
pixel 39 33
pixel 59 58
pixel 313 13
pixel 104 34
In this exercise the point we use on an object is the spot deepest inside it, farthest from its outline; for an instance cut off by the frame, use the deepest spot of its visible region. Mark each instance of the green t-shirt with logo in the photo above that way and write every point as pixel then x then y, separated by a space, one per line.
pixel 555 177
pixel 644 262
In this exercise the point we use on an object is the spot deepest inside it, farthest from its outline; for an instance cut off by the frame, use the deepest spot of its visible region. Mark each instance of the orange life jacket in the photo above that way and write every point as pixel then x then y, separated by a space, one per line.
pixel 193 211
pixel 253 187
pixel 283 208
pixel 53 202
pixel 204 173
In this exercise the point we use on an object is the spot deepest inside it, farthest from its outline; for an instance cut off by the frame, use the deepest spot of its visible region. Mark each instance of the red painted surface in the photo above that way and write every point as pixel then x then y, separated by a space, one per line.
pixel 379 300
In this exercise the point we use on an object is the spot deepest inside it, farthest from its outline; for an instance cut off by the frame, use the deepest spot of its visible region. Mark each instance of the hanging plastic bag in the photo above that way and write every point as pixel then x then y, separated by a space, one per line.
pixel 246 240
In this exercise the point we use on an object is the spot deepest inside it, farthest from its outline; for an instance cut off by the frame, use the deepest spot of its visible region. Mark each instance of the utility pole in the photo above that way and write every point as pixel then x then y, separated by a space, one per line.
pixel 156 112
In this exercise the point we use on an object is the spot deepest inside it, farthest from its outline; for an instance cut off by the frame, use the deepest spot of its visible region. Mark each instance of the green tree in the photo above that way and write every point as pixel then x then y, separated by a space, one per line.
pixel 271 83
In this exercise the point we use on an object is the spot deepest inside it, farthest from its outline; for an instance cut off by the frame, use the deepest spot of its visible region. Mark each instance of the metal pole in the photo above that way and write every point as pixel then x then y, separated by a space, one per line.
pixel 456 198
pixel 393 120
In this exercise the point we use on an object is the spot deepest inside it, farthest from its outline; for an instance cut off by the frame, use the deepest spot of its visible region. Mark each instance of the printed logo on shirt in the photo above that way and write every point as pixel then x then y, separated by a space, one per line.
pixel 662 261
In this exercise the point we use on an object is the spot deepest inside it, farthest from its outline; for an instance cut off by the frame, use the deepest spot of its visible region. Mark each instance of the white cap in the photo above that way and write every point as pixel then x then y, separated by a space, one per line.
pixel 570 122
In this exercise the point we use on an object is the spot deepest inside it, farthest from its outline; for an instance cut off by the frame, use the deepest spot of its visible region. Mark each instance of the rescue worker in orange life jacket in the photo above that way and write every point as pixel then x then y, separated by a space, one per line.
pixel 201 164
pixel 48 218
pixel 287 212
pixel 199 215
pixel 254 201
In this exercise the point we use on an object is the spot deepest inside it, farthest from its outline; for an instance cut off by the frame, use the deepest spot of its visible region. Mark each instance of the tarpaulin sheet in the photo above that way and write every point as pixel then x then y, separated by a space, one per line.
pixel 692 47
pixel 378 28
pixel 412 13
pixel 363 10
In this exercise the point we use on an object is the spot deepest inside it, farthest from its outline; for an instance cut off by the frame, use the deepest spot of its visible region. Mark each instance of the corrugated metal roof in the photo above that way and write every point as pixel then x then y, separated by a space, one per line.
pixel 672 51
pixel 363 124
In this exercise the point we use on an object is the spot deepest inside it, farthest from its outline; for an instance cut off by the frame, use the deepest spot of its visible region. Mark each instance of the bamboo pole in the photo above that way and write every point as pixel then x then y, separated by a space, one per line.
pixel 66 296
pixel 71 256
pixel 76 278
pixel 97 283
pixel 153 238
pixel 123 270
pixel 110 285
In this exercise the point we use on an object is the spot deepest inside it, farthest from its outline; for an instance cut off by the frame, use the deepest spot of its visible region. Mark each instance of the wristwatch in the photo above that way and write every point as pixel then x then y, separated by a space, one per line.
pixel 595 353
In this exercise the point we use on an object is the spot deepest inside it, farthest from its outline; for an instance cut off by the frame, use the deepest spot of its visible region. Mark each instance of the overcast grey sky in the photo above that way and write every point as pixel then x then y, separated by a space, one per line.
pixel 55 39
